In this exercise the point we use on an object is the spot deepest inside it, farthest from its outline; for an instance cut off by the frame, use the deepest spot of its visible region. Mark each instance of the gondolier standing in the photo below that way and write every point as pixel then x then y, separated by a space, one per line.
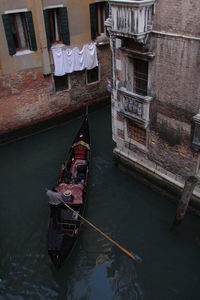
pixel 55 199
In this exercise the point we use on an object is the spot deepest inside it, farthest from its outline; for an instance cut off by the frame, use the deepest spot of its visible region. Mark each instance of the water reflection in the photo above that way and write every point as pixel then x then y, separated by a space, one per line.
pixel 126 210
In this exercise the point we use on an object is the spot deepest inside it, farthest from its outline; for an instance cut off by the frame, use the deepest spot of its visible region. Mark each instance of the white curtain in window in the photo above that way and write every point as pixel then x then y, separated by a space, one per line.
pixel 56 25
pixel 70 60
pixel 21 30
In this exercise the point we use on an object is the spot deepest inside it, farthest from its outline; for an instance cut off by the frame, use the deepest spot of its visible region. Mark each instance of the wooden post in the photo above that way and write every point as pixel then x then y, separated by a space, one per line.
pixel 190 184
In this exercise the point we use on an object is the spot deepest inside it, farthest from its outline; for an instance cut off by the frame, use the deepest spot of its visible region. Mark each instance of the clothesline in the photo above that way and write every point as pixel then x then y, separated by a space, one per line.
pixel 70 60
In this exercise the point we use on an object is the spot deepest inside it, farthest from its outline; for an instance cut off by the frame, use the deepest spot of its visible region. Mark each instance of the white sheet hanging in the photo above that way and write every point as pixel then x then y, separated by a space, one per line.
pixel 70 60
pixel 58 61
pixel 91 60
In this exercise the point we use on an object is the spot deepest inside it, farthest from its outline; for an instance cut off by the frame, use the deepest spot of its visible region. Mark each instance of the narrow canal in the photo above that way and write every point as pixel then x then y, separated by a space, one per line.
pixel 130 212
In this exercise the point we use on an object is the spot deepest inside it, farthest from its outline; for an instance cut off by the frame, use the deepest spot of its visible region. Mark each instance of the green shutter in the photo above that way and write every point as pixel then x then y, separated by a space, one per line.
pixel 7 22
pixel 106 10
pixel 47 27
pixel 31 31
pixel 93 21
pixel 64 25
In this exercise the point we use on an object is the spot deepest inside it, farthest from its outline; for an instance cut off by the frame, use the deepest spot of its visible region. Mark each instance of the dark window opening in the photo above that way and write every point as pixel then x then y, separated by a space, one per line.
pixel 137 76
pixel 93 75
pixel 61 82
pixel 98 14
pixel 140 76
pixel 55 29
pixel 100 18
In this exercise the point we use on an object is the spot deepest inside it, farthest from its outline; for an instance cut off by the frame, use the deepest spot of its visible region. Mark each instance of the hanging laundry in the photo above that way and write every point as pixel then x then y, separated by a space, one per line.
pixel 58 61
pixel 70 60
pixel 91 60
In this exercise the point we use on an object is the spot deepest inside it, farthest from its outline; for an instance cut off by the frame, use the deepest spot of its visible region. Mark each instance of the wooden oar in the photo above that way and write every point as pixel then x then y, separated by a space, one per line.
pixel 102 233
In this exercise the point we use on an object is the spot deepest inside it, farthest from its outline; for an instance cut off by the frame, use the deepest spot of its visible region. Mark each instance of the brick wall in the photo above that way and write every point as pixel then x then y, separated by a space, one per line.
pixel 29 97
pixel 177 16
pixel 174 84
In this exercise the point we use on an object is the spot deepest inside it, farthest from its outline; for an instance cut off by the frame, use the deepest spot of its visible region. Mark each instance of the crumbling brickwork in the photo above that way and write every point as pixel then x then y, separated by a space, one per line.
pixel 29 97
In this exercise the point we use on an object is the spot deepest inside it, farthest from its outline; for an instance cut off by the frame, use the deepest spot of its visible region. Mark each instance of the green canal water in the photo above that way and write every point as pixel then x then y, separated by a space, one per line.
pixel 131 213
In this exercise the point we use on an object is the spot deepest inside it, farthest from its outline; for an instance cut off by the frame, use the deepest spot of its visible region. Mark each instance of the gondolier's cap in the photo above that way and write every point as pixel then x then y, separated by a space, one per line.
pixel 67 193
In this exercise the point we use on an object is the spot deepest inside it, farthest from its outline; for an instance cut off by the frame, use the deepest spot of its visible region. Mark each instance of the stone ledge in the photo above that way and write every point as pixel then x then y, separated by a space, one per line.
pixel 154 173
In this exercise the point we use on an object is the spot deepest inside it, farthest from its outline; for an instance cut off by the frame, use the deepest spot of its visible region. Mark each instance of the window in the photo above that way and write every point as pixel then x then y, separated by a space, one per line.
pixel 137 76
pixel 61 82
pixel 92 75
pixel 54 21
pixel 56 25
pixel 98 14
pixel 136 133
pixel 19 31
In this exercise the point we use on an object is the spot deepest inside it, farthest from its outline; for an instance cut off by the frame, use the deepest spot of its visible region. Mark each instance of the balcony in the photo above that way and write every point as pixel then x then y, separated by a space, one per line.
pixel 131 18
pixel 135 107
pixel 196 137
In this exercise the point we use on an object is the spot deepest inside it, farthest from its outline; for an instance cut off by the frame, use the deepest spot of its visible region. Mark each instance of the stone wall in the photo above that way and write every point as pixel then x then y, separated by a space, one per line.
pixel 174 84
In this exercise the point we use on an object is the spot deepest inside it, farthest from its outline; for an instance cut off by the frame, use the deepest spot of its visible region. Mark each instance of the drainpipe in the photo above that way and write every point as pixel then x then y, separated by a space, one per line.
pixel 42 36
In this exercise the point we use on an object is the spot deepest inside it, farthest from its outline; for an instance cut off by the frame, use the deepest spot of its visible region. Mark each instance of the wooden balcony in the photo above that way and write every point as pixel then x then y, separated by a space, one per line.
pixel 135 107
pixel 131 19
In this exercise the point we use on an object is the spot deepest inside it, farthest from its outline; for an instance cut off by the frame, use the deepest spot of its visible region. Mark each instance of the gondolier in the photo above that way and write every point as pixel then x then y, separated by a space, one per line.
pixel 55 198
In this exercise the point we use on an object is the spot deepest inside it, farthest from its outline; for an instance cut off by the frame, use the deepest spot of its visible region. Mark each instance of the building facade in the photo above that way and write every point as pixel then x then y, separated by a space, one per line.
pixel 155 87
pixel 30 91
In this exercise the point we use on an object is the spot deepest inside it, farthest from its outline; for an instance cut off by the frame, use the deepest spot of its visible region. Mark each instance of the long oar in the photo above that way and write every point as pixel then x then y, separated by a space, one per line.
pixel 105 235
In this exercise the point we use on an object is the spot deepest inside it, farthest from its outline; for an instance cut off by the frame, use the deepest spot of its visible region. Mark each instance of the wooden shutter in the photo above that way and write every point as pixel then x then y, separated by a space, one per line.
pixel 47 27
pixel 7 22
pixel 31 31
pixel 93 21
pixel 64 25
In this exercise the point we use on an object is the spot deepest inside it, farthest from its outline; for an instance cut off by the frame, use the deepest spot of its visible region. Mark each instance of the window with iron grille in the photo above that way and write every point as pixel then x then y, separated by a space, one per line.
pixel 137 76
pixel 136 133
pixel 19 30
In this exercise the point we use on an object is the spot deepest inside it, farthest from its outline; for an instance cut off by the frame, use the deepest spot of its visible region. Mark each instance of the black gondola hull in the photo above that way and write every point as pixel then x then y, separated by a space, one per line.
pixel 64 232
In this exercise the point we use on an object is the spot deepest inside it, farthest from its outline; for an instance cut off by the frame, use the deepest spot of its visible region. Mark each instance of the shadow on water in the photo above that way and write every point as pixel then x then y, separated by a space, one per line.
pixel 131 213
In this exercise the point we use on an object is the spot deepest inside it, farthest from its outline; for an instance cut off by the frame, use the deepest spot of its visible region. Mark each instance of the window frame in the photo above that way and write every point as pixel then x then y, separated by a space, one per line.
pixel 12 32
pixel 128 139
pixel 25 31
pixel 63 25
pixel 100 18
pixel 99 76
pixel 68 83
pixel 133 81
pixel 52 25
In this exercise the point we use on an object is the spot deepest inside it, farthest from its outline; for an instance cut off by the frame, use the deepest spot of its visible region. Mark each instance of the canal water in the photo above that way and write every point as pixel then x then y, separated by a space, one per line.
pixel 131 213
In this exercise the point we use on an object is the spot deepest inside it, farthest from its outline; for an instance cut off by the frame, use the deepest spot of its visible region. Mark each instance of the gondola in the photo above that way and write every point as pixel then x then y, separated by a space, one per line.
pixel 72 185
